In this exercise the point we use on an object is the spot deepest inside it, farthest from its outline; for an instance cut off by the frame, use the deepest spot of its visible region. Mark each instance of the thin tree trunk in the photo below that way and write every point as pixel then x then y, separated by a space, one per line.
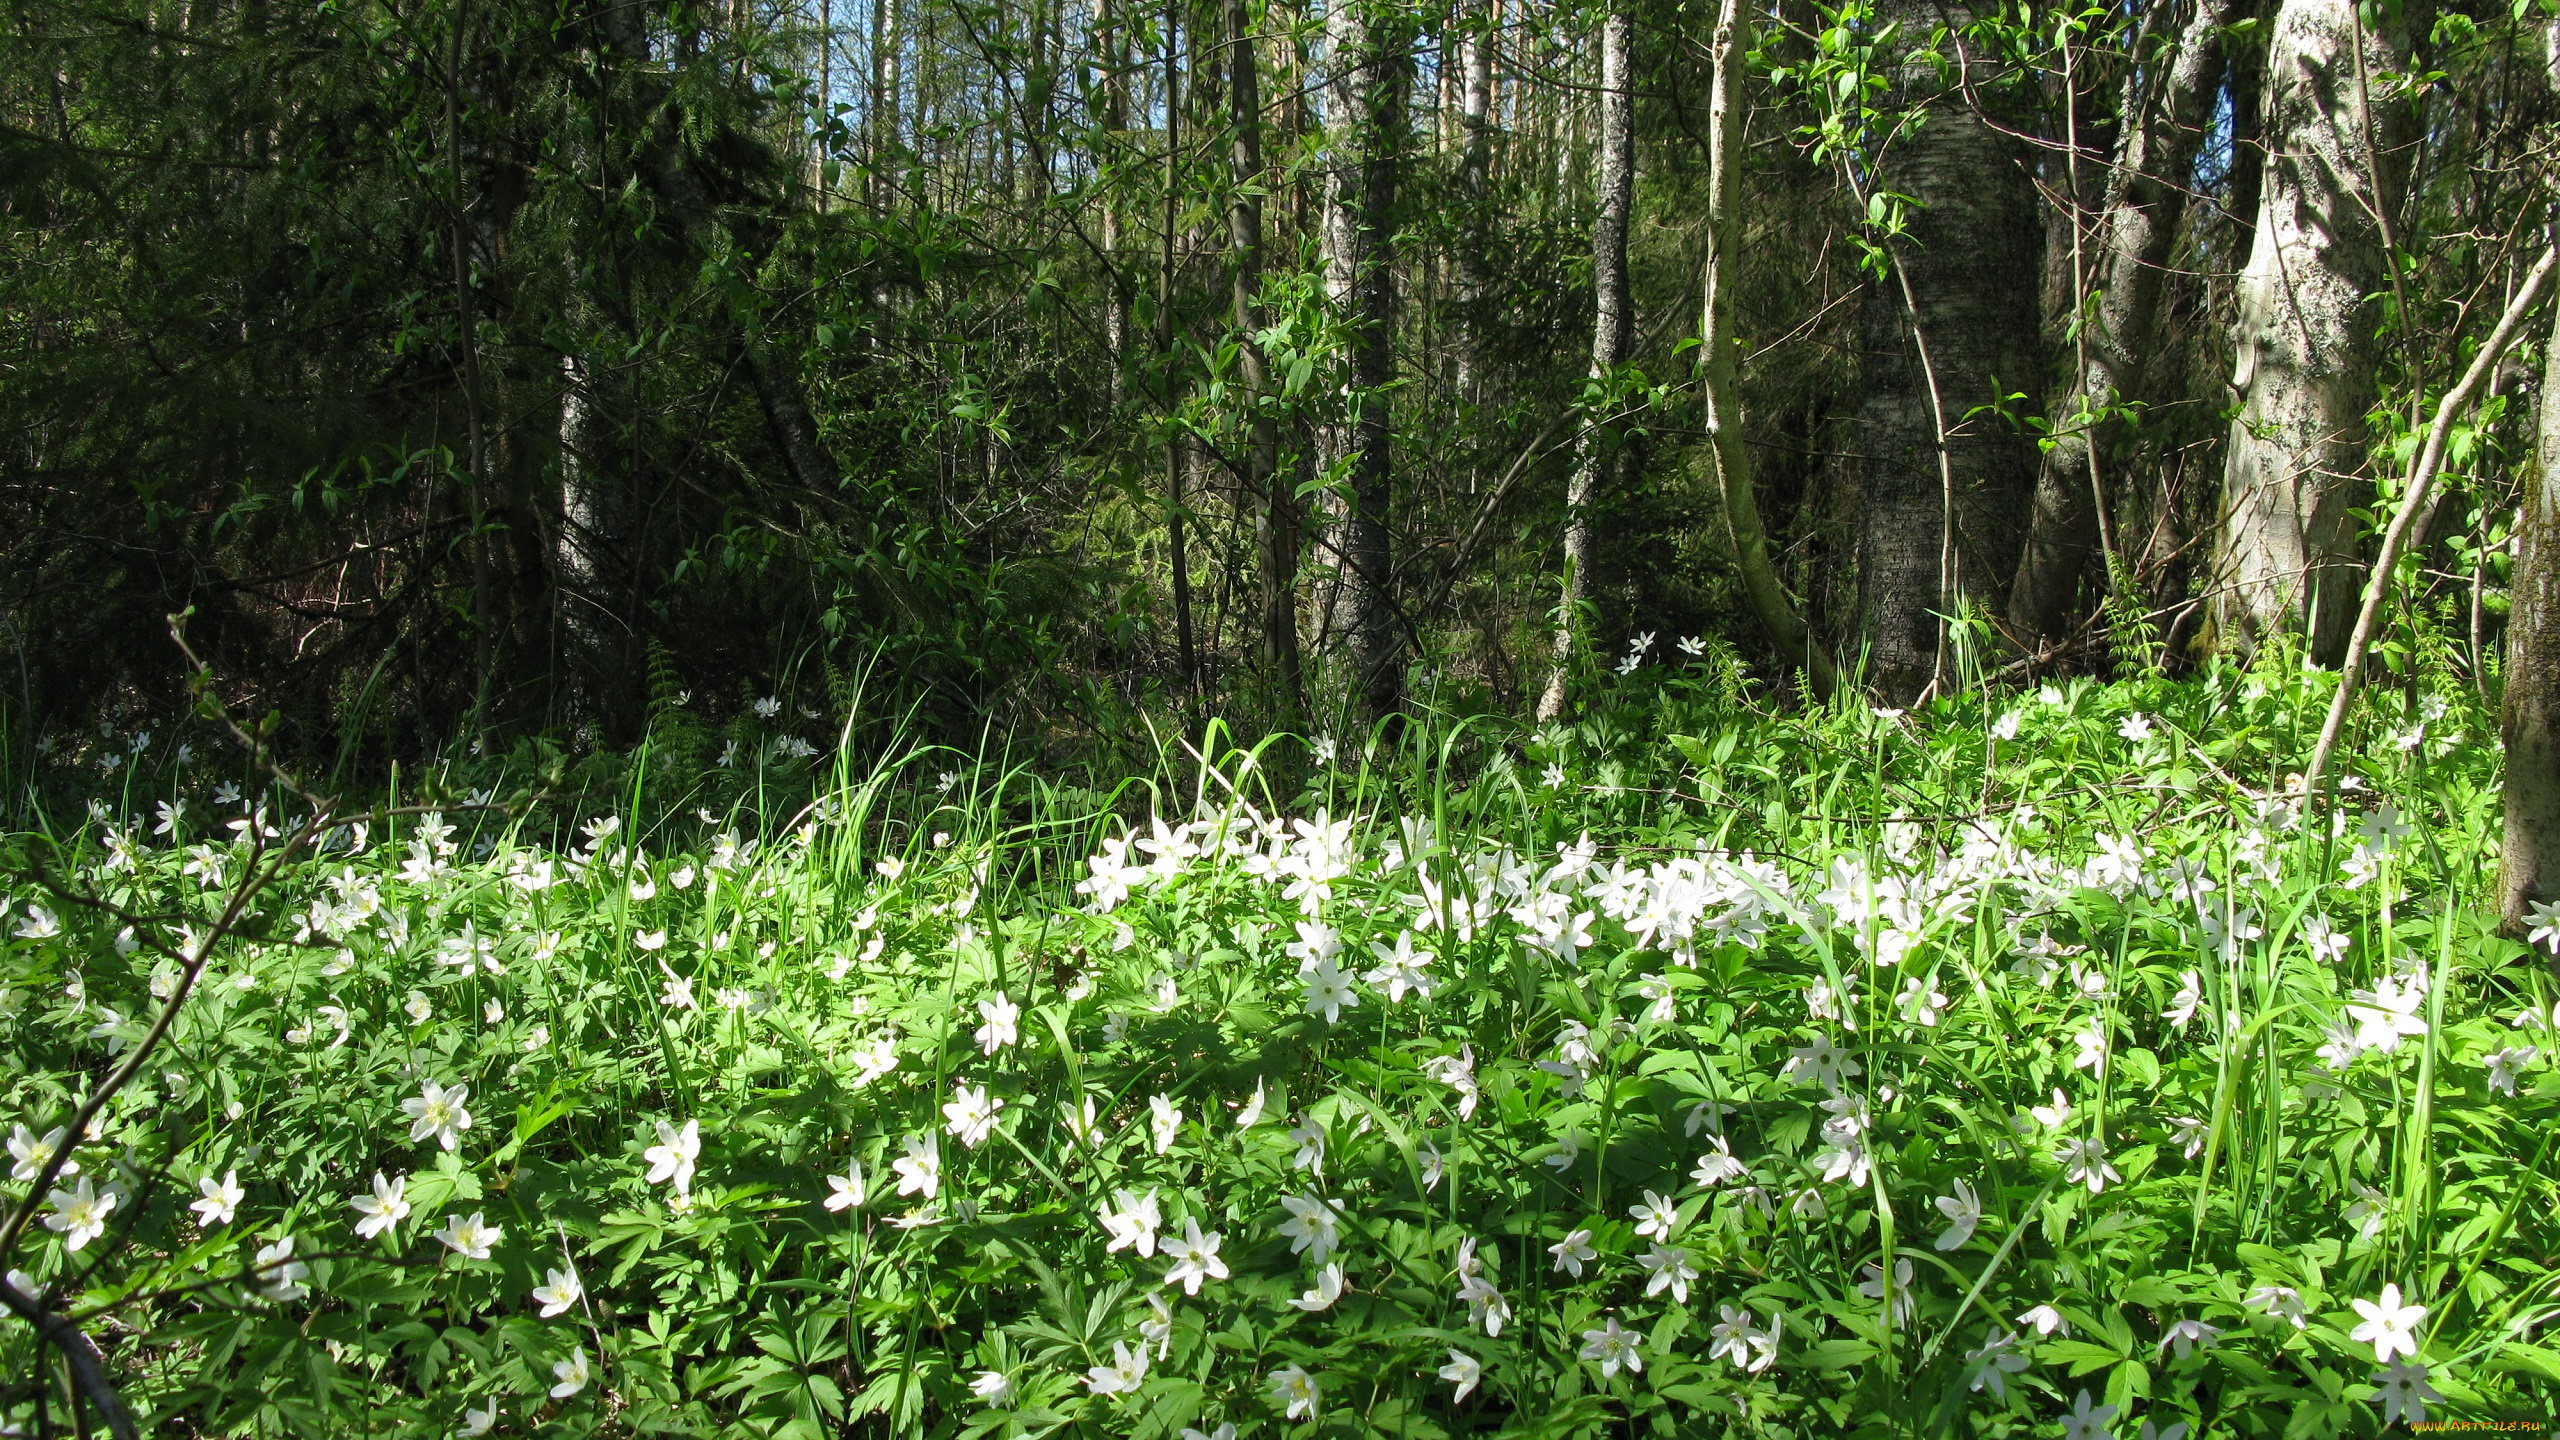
pixel 1175 538
pixel 1598 454
pixel 2306 332
pixel 1952 330
pixel 1115 127
pixel 2165 110
pixel 1277 522
pixel 1475 138
pixel 1371 59
pixel 1726 122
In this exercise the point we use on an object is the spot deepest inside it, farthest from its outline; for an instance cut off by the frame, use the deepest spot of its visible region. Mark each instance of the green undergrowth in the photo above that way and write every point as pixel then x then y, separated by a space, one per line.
pixel 2031 1061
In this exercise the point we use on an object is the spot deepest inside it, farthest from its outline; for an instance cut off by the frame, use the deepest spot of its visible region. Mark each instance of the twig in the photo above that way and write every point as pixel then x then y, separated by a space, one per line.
pixel 2413 499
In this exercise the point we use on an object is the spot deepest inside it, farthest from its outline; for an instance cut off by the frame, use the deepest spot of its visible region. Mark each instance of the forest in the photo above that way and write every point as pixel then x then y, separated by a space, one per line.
pixel 1235 718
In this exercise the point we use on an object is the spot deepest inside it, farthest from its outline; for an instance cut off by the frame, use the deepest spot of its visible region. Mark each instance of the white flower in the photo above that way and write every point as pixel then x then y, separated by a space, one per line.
pixel 282 1273
pixel 1308 1136
pixel 1667 1268
pixel 1313 1224
pixel 970 1116
pixel 1401 968
pixel 2503 1064
pixel 2085 1161
pixel 1872 1286
pixel 33 1154
pixel 999 1014
pixel 1164 1122
pixel 437 1111
pixel 1463 1371
pixel 221 1198
pixel 1132 1222
pixel 1614 1347
pixel 2191 1132
pixel 671 1159
pixel 2182 1006
pixel 2086 1422
pixel 560 1291
pixel 2092 1040
pixel 1655 1217
pixel 847 1191
pixel 2006 727
pixel 80 1216
pixel 2283 1302
pixel 1328 1288
pixel 768 707
pixel 1718 1165
pixel 571 1373
pixel 1963 1210
pixel 994 1389
pixel 418 1008
pixel 649 940
pixel 1992 1363
pixel 387 1206
pixel 1251 1114
pixel 2055 1115
pixel 2389 1011
pixel 1921 1003
pixel 2045 1320
pixel 2187 1336
pixel 2391 1326
pixel 1327 991
pixel 1123 1375
pixel 1820 1062
pixel 1292 1388
pixel 1572 1251
pixel 2136 727
pixel 1195 1258
pixel 2544 917
pixel 470 1238
pixel 2402 1392
pixel 920 1170
pixel 481 1421
pixel 40 924
pixel 1735 1337
pixel 2370 1210
pixel 1435 1166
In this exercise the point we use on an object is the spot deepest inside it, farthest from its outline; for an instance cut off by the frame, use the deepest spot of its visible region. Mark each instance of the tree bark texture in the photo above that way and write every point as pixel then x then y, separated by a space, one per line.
pixel 1944 491
pixel 1278 519
pixel 2306 331
pixel 2529 866
pixel 1597 456
pixel 2165 111
pixel 1372 61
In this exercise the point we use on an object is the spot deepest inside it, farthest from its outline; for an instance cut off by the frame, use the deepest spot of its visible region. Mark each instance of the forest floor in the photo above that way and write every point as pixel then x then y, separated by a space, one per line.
pixel 1692 1069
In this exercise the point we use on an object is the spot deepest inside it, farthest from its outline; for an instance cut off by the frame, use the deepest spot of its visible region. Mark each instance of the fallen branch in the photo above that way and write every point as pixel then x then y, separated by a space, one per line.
pixel 2413 502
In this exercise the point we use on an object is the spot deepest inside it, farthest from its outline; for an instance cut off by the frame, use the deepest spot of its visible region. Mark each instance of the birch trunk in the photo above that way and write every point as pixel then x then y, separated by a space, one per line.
pixel 2306 331
pixel 1598 454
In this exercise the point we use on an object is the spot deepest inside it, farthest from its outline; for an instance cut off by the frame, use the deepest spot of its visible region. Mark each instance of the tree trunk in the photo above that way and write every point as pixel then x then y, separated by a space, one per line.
pixel 1598 454
pixel 1475 155
pixel 1175 537
pixel 1726 122
pixel 2529 868
pixel 2306 331
pixel 1277 524
pixel 1372 61
pixel 2165 110
pixel 1953 328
